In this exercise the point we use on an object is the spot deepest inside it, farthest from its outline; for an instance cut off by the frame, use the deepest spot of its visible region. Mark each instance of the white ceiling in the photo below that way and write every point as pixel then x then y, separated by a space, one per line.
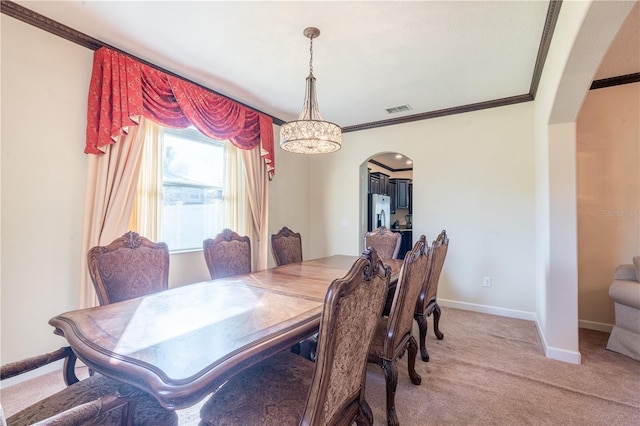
pixel 371 55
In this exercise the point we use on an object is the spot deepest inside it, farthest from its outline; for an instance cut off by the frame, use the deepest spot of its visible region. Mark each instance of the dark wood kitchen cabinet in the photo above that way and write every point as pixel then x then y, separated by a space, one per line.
pixel 374 184
pixel 402 193
pixel 378 183
pixel 392 195
pixel 406 244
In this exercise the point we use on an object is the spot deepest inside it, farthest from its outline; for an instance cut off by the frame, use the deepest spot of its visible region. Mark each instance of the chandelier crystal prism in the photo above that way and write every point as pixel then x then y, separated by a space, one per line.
pixel 310 134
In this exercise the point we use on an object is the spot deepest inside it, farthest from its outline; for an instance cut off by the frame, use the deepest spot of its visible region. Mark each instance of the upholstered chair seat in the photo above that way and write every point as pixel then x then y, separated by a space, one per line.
pixel 625 293
pixel 287 389
pixel 246 401
pixel 227 254
pixel 96 400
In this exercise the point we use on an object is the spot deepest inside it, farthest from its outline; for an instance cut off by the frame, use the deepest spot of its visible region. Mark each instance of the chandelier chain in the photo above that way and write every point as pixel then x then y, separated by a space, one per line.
pixel 311 55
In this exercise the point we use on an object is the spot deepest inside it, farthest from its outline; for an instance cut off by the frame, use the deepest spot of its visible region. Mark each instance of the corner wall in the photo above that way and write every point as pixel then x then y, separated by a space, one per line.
pixel 583 33
pixel 608 167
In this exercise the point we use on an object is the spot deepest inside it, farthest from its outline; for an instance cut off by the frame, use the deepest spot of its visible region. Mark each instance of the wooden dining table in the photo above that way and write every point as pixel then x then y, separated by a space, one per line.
pixel 180 344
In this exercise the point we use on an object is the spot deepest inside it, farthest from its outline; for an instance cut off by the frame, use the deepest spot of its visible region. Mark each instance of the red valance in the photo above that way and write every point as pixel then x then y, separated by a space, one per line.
pixel 122 90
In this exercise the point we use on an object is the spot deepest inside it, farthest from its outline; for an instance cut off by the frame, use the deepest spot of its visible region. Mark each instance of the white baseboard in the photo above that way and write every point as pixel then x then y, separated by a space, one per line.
pixel 597 326
pixel 559 354
pixel 572 357
pixel 492 310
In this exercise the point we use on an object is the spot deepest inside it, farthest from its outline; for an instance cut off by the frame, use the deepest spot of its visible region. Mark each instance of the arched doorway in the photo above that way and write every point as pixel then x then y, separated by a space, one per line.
pixel 387 177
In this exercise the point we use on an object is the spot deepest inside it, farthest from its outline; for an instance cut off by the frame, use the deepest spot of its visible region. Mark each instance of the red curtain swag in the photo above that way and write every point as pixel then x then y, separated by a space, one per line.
pixel 123 89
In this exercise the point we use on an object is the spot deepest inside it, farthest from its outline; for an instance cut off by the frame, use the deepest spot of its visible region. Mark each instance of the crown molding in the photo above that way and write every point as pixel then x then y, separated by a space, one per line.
pixel 615 81
pixel 440 113
pixel 23 14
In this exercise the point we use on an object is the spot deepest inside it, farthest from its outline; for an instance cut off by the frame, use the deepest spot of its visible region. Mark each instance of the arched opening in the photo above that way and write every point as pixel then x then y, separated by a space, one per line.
pixel 386 196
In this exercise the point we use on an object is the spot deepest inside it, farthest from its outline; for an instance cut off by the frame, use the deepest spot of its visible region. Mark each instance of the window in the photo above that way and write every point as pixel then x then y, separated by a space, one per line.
pixel 192 188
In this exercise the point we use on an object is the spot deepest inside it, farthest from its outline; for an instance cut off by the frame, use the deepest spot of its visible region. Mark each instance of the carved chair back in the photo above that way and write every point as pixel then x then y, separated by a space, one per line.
pixel 131 266
pixel 429 290
pixel 227 254
pixel 393 336
pixel 415 268
pixel 286 247
pixel 351 310
pixel 386 242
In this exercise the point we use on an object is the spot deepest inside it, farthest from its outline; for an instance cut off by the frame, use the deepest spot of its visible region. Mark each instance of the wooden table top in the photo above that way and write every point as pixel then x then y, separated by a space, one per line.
pixel 179 344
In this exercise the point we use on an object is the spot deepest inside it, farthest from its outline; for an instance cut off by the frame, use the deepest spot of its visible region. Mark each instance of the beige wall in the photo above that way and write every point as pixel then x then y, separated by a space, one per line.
pixel 473 175
pixel 44 98
pixel 44 102
pixel 608 166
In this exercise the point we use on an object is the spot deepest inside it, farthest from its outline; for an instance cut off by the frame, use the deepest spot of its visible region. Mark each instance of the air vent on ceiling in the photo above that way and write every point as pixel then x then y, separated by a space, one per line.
pixel 400 108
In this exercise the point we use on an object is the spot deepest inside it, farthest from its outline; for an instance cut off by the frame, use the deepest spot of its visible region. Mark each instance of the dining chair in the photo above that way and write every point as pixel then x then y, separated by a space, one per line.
pixel 131 266
pixel 427 302
pixel 286 247
pixel 227 254
pixel 386 242
pixel 289 389
pixel 393 334
pixel 96 400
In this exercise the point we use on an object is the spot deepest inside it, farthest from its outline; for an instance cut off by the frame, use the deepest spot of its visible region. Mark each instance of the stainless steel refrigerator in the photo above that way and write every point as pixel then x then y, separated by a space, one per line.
pixel 379 211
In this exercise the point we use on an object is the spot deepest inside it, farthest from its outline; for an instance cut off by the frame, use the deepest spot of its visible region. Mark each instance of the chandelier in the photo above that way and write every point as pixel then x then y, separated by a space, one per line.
pixel 310 134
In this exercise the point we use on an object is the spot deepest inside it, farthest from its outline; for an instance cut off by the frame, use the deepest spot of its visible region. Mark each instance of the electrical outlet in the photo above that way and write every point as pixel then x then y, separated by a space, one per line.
pixel 486 281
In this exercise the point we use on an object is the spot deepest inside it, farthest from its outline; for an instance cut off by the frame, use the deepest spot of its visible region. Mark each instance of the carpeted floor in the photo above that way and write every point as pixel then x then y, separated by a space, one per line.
pixel 488 370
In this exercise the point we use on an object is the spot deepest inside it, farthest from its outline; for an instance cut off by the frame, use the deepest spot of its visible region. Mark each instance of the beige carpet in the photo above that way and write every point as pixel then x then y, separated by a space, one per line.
pixel 488 370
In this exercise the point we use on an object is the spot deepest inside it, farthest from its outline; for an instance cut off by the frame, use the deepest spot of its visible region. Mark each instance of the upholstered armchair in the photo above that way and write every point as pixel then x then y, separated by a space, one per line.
pixel 625 293
pixel 96 400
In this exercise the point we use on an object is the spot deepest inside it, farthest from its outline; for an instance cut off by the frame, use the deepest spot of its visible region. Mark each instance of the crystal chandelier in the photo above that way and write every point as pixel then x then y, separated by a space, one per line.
pixel 310 134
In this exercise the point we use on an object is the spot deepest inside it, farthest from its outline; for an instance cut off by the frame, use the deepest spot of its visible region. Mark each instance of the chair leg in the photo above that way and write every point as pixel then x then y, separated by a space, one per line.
pixel 411 361
pixel 295 349
pixel 70 369
pixel 421 319
pixel 436 321
pixel 391 379
pixel 129 412
pixel 365 415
